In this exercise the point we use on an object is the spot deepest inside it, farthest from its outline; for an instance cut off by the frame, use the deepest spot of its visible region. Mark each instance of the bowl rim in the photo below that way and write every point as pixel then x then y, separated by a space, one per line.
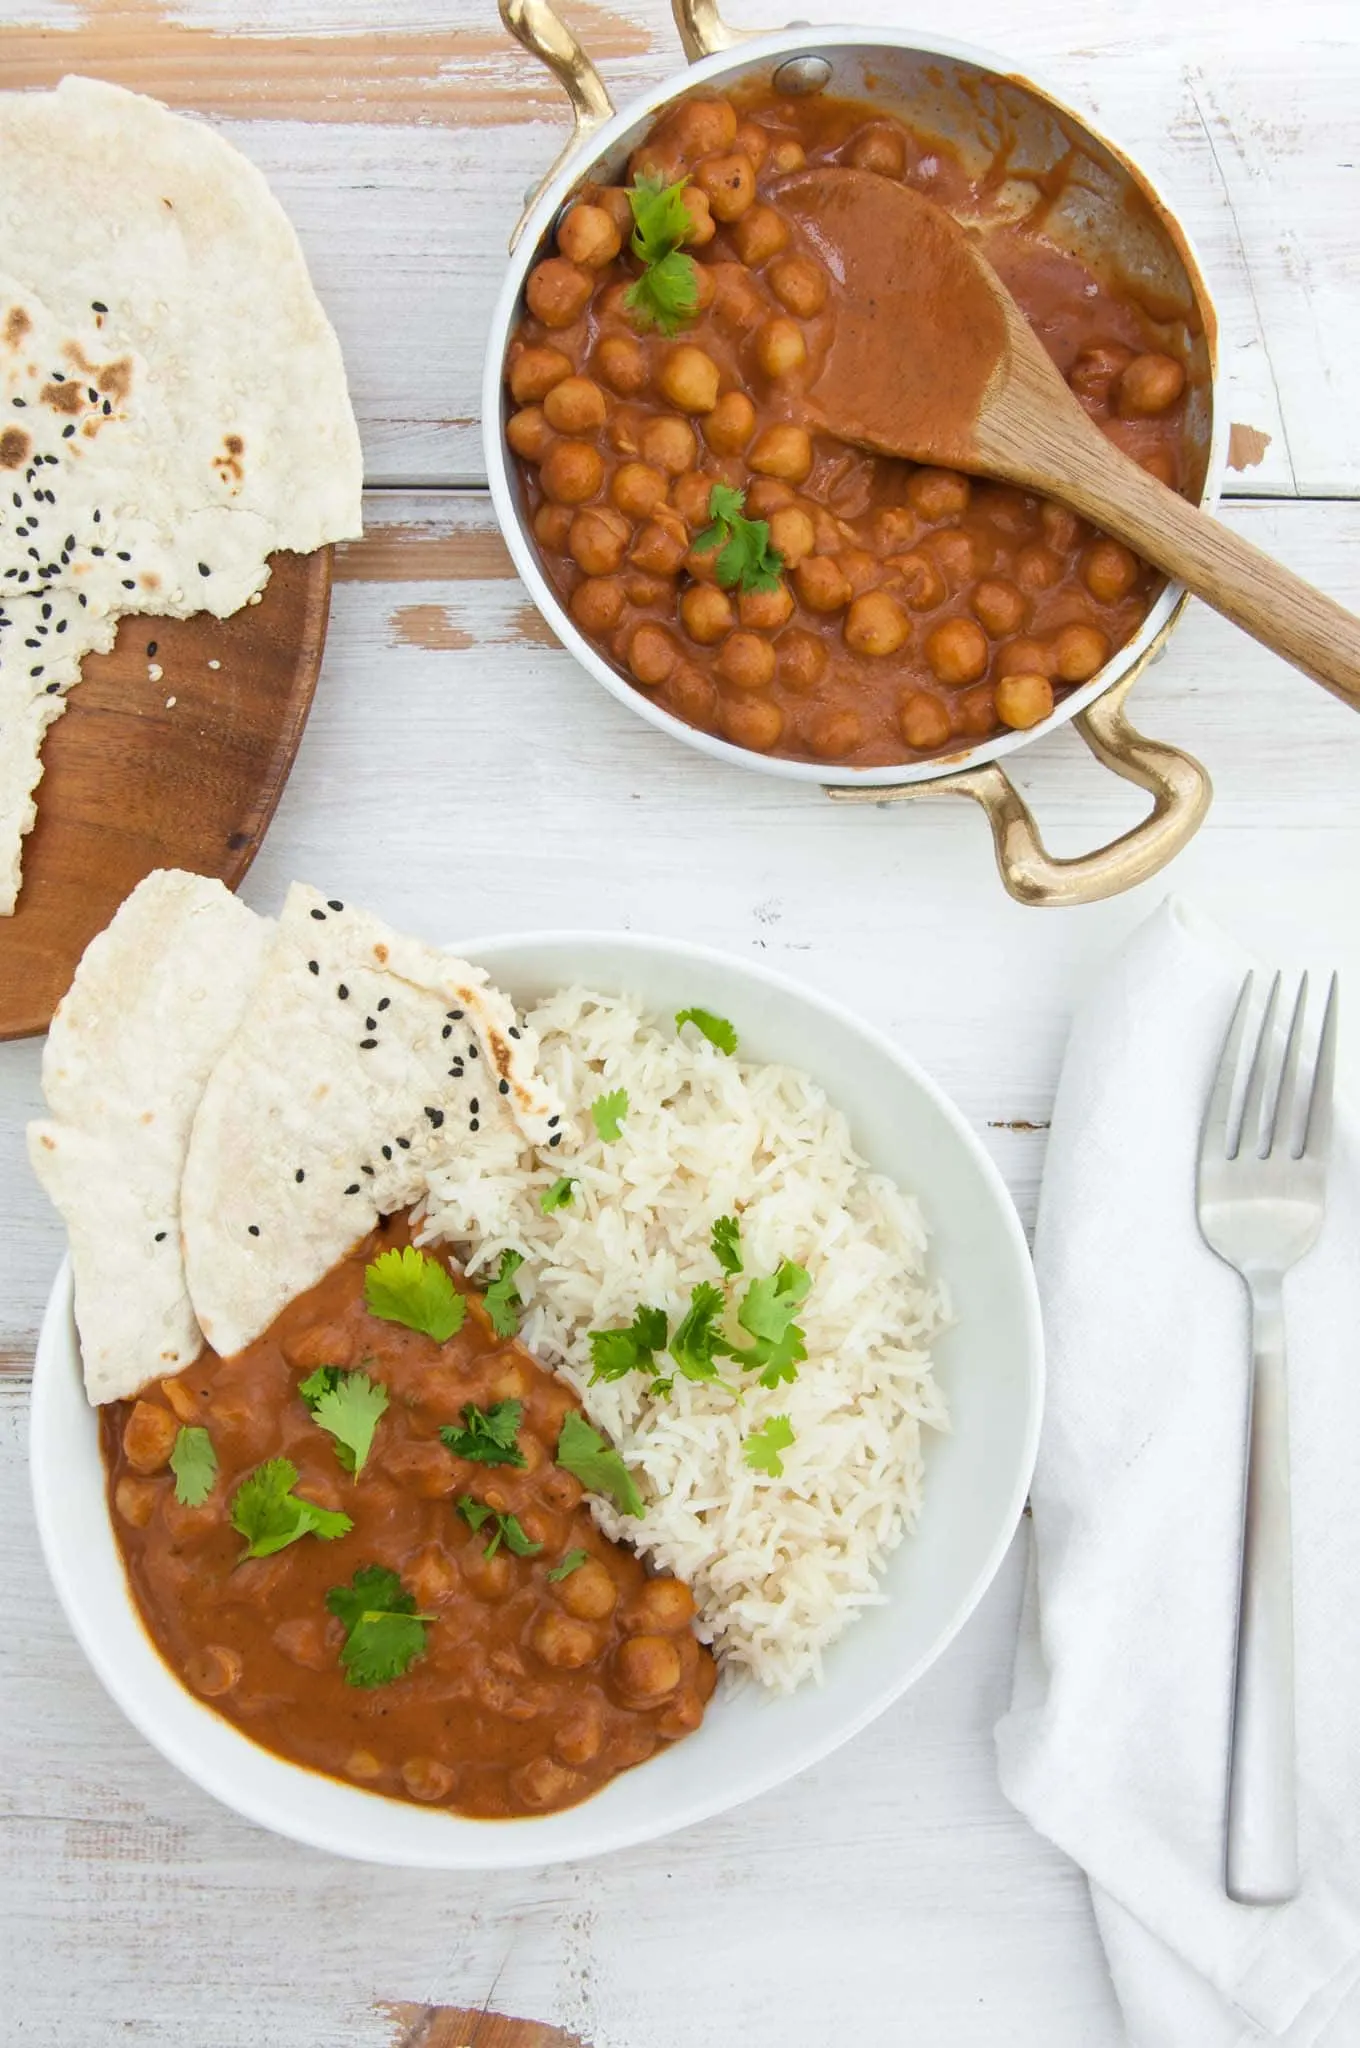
pixel 1144 645
pixel 518 1846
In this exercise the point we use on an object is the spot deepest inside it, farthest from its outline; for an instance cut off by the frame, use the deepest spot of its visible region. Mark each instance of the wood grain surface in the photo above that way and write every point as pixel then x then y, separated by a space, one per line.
pixel 172 752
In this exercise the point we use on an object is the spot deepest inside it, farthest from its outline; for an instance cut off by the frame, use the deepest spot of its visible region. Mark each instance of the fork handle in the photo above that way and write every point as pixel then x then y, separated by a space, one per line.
pixel 1262 1851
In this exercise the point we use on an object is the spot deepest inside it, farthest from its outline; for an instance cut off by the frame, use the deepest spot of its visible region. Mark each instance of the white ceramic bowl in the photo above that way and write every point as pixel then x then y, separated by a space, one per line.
pixel 990 1364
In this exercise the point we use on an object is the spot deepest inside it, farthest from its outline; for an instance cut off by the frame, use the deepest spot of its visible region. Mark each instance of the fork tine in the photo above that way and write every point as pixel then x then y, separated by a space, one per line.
pixel 1317 1137
pixel 1214 1138
pixel 1285 1121
pixel 1254 1128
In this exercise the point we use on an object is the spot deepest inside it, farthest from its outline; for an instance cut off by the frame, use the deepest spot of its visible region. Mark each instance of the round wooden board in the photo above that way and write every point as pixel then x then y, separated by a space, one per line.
pixel 133 782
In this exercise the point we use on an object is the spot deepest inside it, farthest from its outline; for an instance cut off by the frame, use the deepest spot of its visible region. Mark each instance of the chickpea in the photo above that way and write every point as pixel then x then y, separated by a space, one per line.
pixel 706 613
pixel 424 1776
pixel 689 378
pixel 1022 701
pixel 588 235
pixel 563 1643
pixel 432 1576
pixel 753 141
pixel 705 286
pixel 876 624
pixel 759 235
pixel 643 589
pixel 784 451
pixel 1097 368
pixel 766 610
pixel 957 650
pixel 534 372
pixel 1027 657
pixel 1109 571
pixel 597 605
pixel 702 563
pixel 895 527
pixel 571 471
pixel 529 433
pixel 625 430
pixel 669 444
pixel 735 296
pixel 822 585
pixel 1037 567
pixel 881 148
pixel 363 1765
pixel 702 226
pixel 730 183
pixel 999 606
pixel 1062 528
pixel 213 1670
pixel 746 662
pixel 681 1717
pixel 182 1399
pixel 939 493
pixel 646 1667
pixel 792 533
pixel 975 713
pixel 558 292
pixel 663 1606
pixel 637 489
pixel 859 569
pixel 575 406
pixel 489 1577
pixel 598 540
pixel 689 497
pixel 661 546
pixel 588 1593
pixel 691 696
pixel 1150 384
pixel 765 494
pixel 959 555
pixel 651 654
pixel 135 1500
pixel 622 363
pixel 559 1490
pixel 661 157
pixel 799 284
pixel 835 733
pixel 787 155
pixel 704 127
pixel 303 1641
pixel 552 525
pixel 542 1782
pixel 780 346
pixel 149 1437
pixel 578 1739
pixel 1080 651
pixel 615 202
pixel 802 660
pixel 730 424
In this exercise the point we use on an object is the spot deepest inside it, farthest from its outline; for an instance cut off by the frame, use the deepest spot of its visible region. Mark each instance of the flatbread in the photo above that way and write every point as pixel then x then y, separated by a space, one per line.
pixel 364 1061
pixel 154 1001
pixel 168 365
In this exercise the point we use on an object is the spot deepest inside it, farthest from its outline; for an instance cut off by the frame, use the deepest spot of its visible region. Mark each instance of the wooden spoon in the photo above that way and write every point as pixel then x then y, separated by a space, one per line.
pixel 932 359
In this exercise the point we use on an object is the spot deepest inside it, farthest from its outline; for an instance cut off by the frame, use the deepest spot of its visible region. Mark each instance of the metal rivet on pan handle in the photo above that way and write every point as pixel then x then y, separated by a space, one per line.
pixel 802 74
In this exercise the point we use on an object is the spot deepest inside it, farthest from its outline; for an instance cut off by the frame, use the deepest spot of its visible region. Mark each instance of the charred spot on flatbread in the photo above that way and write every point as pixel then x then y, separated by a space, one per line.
pixel 14 447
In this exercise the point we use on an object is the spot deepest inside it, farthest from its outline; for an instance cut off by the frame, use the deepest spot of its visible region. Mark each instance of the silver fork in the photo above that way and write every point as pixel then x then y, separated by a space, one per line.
pixel 1262 1188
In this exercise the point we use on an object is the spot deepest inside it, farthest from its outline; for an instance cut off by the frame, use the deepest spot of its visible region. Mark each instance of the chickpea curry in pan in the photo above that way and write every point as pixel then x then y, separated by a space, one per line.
pixel 761 580
pixel 363 1540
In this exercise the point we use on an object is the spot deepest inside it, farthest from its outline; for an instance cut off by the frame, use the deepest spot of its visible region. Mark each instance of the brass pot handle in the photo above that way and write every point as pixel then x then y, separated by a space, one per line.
pixel 1181 793
pixel 546 36
pixel 702 29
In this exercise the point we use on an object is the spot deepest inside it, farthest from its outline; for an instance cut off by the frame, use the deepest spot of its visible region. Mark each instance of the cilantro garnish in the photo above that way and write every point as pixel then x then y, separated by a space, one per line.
pixel 270 1516
pixel 384 1634
pixel 558 1196
pixel 583 1452
pixel 698 1341
pixel 348 1405
pixel 747 560
pixel 194 1464
pixel 619 1352
pixel 501 1299
pixel 667 293
pixel 488 1434
pixel 607 1113
pixel 409 1287
pixel 572 1562
pixel 766 1314
pixel 726 1242
pixel 716 1030
pixel 508 1528
pixel 761 1449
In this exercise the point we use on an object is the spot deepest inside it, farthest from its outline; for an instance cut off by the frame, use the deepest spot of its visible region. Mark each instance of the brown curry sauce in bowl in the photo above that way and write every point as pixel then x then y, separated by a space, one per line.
pixel 530 1693
pixel 918 612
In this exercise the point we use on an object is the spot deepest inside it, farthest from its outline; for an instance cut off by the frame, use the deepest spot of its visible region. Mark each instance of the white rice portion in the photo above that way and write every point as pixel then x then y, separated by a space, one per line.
pixel 778 1567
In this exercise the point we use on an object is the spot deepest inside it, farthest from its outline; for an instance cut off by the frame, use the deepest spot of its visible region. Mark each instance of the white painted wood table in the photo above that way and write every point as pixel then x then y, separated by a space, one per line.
pixel 460 774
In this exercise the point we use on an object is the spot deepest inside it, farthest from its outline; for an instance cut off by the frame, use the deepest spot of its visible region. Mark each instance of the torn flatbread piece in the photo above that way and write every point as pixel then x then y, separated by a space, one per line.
pixel 155 999
pixel 364 1061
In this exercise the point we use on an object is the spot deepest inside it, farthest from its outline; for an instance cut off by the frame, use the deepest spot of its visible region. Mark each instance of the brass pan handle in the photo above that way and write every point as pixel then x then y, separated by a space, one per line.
pixel 546 36
pixel 1181 793
pixel 702 29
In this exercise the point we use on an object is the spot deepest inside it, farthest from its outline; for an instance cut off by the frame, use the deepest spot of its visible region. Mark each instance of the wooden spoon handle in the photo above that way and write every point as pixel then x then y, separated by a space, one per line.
pixel 1252 589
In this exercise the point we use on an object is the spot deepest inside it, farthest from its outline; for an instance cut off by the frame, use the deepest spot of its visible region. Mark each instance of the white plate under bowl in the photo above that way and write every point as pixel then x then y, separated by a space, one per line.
pixel 990 1364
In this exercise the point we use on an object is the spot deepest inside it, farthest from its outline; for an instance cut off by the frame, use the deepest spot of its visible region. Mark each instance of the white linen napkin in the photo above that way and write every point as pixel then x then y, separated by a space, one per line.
pixel 1115 1744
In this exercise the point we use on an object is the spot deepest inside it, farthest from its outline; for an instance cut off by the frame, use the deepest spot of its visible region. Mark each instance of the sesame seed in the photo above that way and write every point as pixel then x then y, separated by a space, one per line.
pixel 332 903
pixel 404 1143
pixel 36 671
pixel 368 1170
pixel 21 402
pixel 161 1236
pixel 370 1023
pixel 98 306
pixel 473 1124
pixel 151 647
pixel 472 1052
pixel 58 376
pixel 47 611
pixel 447 1032
pixel 475 1106
pixel 314 967
pixel 455 1015
pixel 353 1188
pixel 367 1044
pixel 387 1151
pixel 107 407
pixel 123 555
pixel 204 570
pixel 320 916
pixel 67 432
pixel 299 1176
pixel 128 583
pixel 52 688
pixel 436 1116
pixel 254 1229
pixel 514 1031
pixel 556 1138
pixel 385 1003
pixel 505 1087
pixel 343 993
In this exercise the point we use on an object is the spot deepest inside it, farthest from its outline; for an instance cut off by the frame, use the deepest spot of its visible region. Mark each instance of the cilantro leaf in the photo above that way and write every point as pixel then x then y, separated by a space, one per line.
pixel 716 1030
pixel 583 1452
pixel 270 1516
pixel 619 1352
pixel 747 560
pixel 660 217
pixel 762 1448
pixel 698 1341
pixel 194 1464
pixel 766 1314
pixel 558 1196
pixel 726 1242
pixel 409 1287
pixel 572 1562
pixel 384 1634
pixel 349 1406
pixel 501 1299
pixel 607 1113
pixel 509 1529
pixel 667 293
pixel 488 1434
